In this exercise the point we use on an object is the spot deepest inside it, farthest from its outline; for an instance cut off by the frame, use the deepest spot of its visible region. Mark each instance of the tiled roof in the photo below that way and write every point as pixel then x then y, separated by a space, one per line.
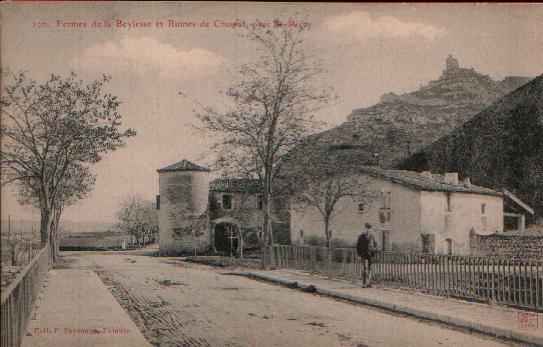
pixel 419 181
pixel 236 185
pixel 183 165
pixel 517 201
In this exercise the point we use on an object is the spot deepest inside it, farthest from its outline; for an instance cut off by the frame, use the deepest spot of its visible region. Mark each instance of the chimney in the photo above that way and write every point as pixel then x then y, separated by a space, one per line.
pixel 426 174
pixel 467 182
pixel 451 178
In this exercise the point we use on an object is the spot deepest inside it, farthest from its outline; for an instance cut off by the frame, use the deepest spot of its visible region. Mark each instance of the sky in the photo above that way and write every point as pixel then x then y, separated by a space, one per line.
pixel 162 73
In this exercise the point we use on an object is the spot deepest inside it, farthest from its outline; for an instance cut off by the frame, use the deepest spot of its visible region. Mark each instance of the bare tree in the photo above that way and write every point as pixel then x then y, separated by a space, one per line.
pixel 323 186
pixel 137 217
pixel 336 173
pixel 271 110
pixel 150 216
pixel 52 130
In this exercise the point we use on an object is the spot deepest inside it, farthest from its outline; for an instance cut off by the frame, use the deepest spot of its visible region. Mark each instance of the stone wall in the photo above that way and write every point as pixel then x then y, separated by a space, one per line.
pixel 182 216
pixel 510 246
pixel 246 215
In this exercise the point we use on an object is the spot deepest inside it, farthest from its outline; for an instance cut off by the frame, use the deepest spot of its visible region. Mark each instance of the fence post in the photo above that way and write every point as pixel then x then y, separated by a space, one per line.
pixel 493 282
pixel 12 251
pixel 267 262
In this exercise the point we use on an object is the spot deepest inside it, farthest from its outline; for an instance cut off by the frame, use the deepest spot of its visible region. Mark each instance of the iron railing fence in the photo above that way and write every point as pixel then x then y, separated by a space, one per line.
pixel 19 297
pixel 19 253
pixel 516 283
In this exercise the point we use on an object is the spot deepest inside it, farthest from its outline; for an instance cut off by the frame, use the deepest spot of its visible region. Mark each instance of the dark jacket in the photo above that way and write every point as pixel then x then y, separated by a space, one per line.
pixel 366 246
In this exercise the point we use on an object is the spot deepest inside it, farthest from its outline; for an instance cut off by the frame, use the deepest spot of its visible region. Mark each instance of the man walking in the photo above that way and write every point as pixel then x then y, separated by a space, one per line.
pixel 366 247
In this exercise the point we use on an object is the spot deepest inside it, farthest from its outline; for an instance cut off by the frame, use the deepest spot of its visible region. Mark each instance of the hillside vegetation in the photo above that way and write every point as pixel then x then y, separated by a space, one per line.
pixel 501 147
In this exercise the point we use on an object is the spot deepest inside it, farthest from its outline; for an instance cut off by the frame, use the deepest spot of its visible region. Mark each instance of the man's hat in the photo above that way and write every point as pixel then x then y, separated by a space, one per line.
pixel 368 225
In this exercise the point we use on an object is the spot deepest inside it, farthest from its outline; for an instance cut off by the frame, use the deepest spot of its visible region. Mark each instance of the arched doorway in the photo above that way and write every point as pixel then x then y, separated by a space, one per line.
pixel 226 238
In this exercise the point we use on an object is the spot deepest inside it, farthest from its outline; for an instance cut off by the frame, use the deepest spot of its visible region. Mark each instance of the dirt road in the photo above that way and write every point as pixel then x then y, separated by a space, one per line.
pixel 184 304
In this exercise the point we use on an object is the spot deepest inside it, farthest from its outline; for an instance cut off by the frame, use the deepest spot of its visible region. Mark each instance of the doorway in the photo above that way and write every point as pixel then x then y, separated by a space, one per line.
pixel 225 238
pixel 428 243
pixel 385 240
pixel 449 246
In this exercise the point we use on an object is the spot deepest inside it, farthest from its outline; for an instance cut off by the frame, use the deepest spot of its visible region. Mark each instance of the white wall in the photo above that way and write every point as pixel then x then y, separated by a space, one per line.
pixel 347 224
pixel 465 215
pixel 413 212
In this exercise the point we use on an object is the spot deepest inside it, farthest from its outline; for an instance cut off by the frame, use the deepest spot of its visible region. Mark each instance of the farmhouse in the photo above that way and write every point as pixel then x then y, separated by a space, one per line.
pixel 420 212
pixel 414 212
pixel 198 215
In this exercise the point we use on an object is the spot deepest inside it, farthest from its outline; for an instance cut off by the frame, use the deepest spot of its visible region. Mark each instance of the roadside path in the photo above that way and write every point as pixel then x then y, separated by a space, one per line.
pixel 76 309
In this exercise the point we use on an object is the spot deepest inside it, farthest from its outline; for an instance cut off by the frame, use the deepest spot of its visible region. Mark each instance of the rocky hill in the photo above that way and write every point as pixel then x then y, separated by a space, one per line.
pixel 400 125
pixel 501 147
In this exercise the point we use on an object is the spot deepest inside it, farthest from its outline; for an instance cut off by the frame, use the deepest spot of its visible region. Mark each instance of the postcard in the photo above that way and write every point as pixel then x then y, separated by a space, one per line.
pixel 271 174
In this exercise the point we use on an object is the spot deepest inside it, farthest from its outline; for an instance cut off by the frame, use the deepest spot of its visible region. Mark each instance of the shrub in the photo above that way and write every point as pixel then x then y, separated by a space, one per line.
pixel 314 240
pixel 342 243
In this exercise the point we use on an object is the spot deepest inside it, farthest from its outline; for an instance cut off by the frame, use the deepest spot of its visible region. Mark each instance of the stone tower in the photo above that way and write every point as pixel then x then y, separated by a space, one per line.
pixel 184 191
pixel 452 63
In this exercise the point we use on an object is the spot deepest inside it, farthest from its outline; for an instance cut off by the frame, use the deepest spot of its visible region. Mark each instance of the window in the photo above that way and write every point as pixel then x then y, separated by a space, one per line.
pixel 227 202
pixel 385 241
pixel 158 202
pixel 483 208
pixel 384 213
pixel 361 207
pixel 449 202
pixel 301 232
pixel 387 199
pixel 260 202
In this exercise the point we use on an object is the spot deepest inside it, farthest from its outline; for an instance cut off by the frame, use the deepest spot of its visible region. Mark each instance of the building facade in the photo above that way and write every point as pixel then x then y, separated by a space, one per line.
pixel 235 209
pixel 198 215
pixel 410 212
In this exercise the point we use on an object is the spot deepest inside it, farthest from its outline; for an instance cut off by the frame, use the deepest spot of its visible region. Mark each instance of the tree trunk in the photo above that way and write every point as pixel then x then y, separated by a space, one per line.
pixel 268 260
pixel 329 244
pixel 240 243
pixel 46 233
pixel 53 246
pixel 327 233
pixel 54 233
pixel 45 226
pixel 269 228
pixel 263 241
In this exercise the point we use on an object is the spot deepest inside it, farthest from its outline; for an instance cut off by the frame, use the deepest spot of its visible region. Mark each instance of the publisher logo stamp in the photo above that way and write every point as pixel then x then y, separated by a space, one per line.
pixel 527 320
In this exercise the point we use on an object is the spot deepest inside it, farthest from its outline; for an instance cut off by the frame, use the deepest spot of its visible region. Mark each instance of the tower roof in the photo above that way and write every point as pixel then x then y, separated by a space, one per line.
pixel 183 165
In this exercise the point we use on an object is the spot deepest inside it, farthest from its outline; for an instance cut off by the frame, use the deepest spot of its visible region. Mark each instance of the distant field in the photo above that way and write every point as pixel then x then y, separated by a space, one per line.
pixel 92 240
